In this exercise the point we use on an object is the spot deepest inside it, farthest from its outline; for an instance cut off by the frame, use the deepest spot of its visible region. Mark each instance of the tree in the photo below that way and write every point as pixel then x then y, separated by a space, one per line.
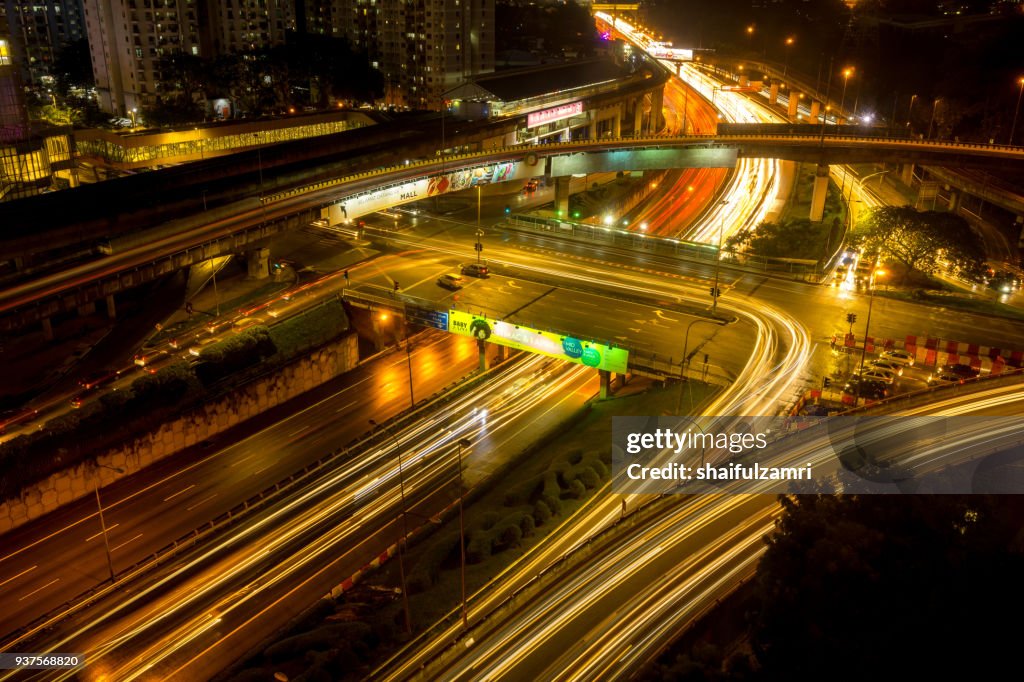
pixel 917 586
pixel 918 240
pixel 785 239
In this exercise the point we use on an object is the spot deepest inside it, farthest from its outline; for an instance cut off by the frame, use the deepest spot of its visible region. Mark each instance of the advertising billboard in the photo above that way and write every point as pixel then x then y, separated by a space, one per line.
pixel 538 118
pixel 588 353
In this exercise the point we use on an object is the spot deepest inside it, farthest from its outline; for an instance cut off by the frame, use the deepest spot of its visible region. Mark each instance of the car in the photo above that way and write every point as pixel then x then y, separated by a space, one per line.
pixel 531 185
pixel 900 356
pixel 878 374
pixel 201 345
pixel 474 270
pixel 451 281
pixel 889 365
pixel 941 377
pixel 875 390
pixel 960 370
pixel 76 402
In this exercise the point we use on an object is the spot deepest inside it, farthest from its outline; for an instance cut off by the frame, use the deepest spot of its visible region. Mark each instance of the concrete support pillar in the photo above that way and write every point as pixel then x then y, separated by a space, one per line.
pixel 502 355
pixel 954 200
pixel 744 80
pixel 638 115
pixel 481 347
pixel 794 100
pixel 19 263
pixel 819 192
pixel 258 261
pixel 87 309
pixel 907 174
pixel 111 310
pixel 773 93
pixel 617 124
pixel 606 383
pixel 815 110
pixel 657 104
pixel 47 329
pixel 592 126
pixel 562 196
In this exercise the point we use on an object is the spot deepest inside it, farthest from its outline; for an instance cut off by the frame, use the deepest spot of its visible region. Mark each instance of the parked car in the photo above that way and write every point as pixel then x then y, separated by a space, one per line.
pixel 474 270
pixel 890 365
pixel 942 377
pixel 900 356
pixel 961 370
pixel 451 281
pixel 878 374
pixel 875 390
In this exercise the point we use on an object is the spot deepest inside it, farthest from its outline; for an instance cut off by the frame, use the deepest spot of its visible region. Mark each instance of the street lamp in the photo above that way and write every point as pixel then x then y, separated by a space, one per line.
pixel 405 527
pixel 103 524
pixel 1013 128
pixel 478 188
pixel 718 262
pixel 847 72
pixel 462 443
pixel 788 43
pixel 871 300
pixel 910 111
pixel 685 362
pixel 134 111
pixel 935 105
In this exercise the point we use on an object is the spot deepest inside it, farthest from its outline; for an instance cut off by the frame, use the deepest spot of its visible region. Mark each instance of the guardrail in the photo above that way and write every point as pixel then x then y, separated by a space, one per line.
pixel 613 236
pixel 550 148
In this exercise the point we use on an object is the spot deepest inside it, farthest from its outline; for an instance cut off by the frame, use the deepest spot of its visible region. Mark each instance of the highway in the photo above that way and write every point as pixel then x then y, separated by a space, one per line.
pixel 604 615
pixel 49 561
pixel 186 620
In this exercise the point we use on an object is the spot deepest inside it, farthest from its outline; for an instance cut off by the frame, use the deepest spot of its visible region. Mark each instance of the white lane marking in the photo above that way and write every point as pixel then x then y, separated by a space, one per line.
pixel 295 433
pixel 205 499
pixel 342 409
pixel 15 577
pixel 183 490
pixel 109 528
pixel 114 549
pixel 41 588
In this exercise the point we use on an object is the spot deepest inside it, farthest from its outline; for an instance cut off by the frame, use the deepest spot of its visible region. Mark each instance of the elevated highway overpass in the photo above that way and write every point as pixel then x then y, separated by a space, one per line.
pixel 243 225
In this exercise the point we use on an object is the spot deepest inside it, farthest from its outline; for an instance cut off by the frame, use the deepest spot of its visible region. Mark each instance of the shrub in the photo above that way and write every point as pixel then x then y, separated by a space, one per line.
pixel 489 520
pixel 510 535
pixel 235 354
pixel 577 489
pixel 526 524
pixel 598 466
pixel 541 512
pixel 553 502
pixel 589 478
pixel 479 547
pixel 522 493
pixel 574 456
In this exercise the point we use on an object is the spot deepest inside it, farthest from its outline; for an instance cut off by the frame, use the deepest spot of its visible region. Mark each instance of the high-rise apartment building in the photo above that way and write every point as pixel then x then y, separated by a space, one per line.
pixel 127 38
pixel 39 29
pixel 423 47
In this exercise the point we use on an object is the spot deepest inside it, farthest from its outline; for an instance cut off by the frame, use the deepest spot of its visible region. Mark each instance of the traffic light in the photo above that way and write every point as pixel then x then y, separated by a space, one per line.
pixel 188 307
pixel 508 209
pixel 826 382
pixel 478 246
pixel 715 292
pixel 345 275
pixel 851 317
pixel 396 285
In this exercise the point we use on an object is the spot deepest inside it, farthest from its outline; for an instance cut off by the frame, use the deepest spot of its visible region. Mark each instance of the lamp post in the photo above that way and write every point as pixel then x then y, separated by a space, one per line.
pixel 910 111
pixel 408 358
pixel 867 323
pixel 103 524
pixel 462 443
pixel 478 246
pixel 405 527
pixel 935 105
pixel 478 189
pixel 718 262
pixel 788 43
pixel 1016 112
pixel 685 363
pixel 847 72
pixel 134 111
